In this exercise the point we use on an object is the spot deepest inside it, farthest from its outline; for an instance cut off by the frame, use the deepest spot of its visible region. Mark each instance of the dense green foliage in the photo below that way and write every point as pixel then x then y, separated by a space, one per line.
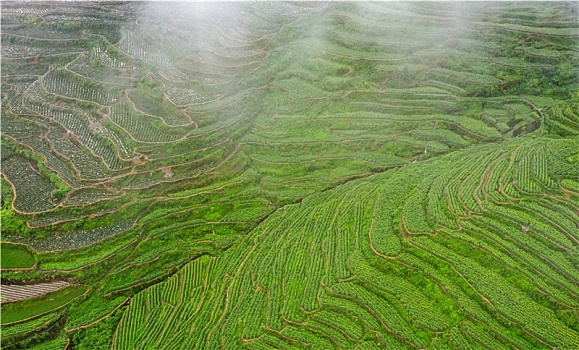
pixel 27 309
pixel 15 255
pixel 461 268
pixel 291 175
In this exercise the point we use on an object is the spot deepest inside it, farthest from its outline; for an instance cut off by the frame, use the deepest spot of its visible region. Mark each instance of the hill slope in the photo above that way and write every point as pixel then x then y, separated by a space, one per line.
pixel 216 147
pixel 477 248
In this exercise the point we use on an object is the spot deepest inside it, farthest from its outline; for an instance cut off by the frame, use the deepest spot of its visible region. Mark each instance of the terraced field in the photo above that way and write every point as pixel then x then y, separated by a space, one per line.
pixel 292 175
pixel 437 254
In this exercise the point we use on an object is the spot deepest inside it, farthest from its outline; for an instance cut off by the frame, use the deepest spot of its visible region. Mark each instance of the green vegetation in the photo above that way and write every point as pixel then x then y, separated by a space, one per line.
pixel 26 309
pixel 26 327
pixel 422 285
pixel 291 175
pixel 98 337
pixel 15 255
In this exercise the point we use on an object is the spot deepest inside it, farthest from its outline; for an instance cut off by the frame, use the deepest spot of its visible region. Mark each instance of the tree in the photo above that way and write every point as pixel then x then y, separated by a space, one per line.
pixel 13 225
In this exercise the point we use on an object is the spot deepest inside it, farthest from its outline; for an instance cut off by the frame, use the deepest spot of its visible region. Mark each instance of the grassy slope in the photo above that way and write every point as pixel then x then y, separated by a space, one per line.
pixel 22 310
pixel 16 256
